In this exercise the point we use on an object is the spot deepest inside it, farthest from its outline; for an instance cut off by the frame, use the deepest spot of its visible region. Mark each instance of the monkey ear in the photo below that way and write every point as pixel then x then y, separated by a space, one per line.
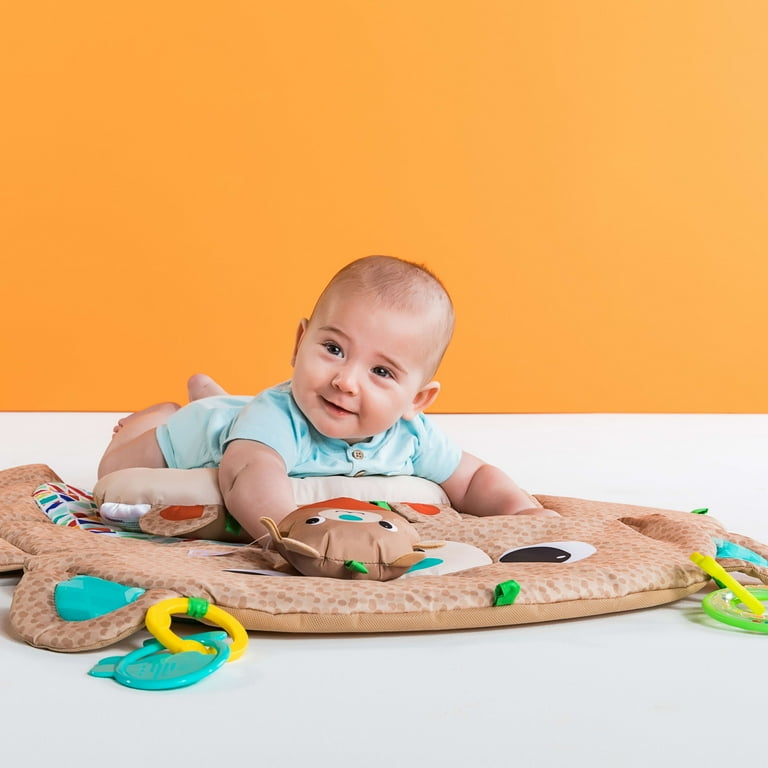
pixel 289 545
pixel 271 526
pixel 407 560
pixel 299 548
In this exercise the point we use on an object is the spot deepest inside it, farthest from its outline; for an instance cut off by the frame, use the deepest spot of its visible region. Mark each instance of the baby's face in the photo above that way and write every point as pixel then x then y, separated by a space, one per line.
pixel 360 366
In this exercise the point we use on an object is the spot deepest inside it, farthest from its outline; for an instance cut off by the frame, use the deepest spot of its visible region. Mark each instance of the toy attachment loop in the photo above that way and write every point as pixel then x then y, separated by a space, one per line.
pixel 734 604
pixel 158 621
pixel 712 568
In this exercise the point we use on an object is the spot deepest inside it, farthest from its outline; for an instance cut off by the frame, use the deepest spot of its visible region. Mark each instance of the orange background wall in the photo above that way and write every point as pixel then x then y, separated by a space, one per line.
pixel 180 178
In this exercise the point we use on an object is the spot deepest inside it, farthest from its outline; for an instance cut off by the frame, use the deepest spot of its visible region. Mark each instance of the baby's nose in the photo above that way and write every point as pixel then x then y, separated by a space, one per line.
pixel 345 380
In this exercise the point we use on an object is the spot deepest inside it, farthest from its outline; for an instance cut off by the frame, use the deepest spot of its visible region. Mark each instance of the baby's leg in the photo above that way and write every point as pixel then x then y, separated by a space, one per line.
pixel 200 385
pixel 134 444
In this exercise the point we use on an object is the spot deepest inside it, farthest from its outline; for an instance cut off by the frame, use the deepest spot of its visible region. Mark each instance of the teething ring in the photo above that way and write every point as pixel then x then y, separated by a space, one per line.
pixel 729 608
pixel 158 621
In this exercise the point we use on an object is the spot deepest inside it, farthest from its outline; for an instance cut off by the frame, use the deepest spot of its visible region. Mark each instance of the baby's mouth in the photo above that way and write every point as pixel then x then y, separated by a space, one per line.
pixel 336 409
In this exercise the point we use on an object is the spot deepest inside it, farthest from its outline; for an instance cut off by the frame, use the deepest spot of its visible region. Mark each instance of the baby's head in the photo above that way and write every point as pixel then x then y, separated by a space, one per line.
pixel 396 286
pixel 375 338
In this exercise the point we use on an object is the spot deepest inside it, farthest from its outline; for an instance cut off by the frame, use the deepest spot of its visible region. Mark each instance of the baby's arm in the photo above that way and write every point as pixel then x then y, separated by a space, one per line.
pixel 254 483
pixel 481 489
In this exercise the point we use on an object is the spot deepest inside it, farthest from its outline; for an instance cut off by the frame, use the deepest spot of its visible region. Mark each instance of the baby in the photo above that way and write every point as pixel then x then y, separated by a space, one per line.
pixel 362 376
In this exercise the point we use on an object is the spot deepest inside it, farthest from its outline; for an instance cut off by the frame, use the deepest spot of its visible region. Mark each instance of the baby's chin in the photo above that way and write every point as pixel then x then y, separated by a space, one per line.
pixel 338 434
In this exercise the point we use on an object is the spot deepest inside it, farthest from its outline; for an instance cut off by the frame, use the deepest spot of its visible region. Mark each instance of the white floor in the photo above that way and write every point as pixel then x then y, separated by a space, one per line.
pixel 663 686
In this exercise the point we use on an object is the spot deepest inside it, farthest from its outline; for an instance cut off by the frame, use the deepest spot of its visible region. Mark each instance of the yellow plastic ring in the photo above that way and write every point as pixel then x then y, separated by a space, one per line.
pixel 158 621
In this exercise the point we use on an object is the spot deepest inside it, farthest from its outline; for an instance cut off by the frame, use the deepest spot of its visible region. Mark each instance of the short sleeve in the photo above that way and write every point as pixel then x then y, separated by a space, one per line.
pixel 436 457
pixel 272 418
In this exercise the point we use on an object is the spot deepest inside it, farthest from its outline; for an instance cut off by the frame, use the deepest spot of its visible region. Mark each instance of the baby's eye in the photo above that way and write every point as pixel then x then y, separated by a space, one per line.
pixel 333 349
pixel 384 373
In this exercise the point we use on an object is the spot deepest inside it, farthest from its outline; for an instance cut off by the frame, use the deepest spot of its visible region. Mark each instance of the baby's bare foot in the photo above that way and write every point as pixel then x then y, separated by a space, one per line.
pixel 120 424
pixel 200 385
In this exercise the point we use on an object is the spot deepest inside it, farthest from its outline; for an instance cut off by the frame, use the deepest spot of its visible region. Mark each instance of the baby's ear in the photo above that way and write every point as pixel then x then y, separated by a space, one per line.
pixel 424 398
pixel 300 331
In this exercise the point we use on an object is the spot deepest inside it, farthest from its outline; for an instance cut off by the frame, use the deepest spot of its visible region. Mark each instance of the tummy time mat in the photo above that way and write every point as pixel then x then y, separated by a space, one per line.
pixel 86 585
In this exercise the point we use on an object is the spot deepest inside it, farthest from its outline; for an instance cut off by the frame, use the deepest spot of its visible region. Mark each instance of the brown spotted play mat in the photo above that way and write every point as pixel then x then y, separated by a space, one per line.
pixel 596 558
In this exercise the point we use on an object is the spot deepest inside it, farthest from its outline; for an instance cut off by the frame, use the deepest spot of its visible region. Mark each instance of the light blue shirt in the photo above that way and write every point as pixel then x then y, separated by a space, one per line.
pixel 197 435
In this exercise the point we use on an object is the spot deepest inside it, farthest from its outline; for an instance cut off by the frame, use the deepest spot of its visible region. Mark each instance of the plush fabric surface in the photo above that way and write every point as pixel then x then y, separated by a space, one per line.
pixel 598 557
pixel 200 486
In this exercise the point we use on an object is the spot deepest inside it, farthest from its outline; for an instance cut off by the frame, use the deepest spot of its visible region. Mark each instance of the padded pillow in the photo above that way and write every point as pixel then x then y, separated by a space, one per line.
pixel 200 486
